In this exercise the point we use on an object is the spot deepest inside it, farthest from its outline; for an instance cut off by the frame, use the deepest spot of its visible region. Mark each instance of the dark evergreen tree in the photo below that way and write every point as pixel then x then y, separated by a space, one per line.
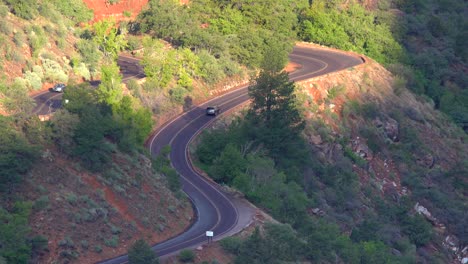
pixel 17 156
pixel 275 120
pixel 141 253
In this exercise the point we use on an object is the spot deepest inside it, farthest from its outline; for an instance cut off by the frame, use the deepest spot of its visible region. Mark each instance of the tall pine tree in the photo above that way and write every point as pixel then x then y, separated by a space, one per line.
pixel 275 120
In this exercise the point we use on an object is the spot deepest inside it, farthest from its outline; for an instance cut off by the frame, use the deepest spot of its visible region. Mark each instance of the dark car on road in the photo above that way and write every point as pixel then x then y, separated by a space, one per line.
pixel 59 87
pixel 212 110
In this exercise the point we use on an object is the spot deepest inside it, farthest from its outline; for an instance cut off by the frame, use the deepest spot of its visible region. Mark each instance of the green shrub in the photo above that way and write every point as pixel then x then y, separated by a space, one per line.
pixel 39 243
pixel 89 52
pixel 115 230
pixel 82 71
pixel 211 71
pixel 399 84
pixel 112 242
pixel 133 85
pixel 354 157
pixel 21 83
pixel 3 10
pixel 66 242
pixel 177 94
pixel 26 9
pixel 172 209
pixel 34 80
pixel 5 28
pixel 160 227
pixel 418 229
pixel 133 43
pixel 77 11
pixel 53 71
pixel 173 178
pixel 38 71
pixel 369 110
pixel 230 66
pixel 186 255
pixel 372 137
pixel 98 249
pixel 90 202
pixel 61 31
pixel 336 91
pixel 141 253
pixel 185 80
pixel 47 10
pixel 37 40
pixel 61 43
pixel 231 244
pixel 12 54
pixel 127 13
pixel 41 203
pixel 69 254
pixel 84 244
pixel 71 198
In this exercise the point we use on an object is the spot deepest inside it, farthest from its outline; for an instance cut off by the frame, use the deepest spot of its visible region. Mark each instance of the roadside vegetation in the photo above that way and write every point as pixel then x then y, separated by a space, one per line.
pixel 330 196
pixel 293 186
pixel 422 42
pixel 263 156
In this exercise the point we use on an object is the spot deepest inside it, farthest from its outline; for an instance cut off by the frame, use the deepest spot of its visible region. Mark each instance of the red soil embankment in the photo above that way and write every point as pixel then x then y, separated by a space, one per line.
pixel 103 9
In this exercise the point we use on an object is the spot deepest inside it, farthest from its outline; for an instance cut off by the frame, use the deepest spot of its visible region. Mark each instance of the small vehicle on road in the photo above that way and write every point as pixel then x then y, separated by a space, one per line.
pixel 58 88
pixel 213 110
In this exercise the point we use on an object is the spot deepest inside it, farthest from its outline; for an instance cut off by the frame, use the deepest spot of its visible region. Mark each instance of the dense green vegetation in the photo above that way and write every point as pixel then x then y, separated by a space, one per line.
pixel 92 124
pixel 141 253
pixel 105 116
pixel 17 154
pixel 425 44
pixel 230 31
pixel 275 177
pixel 321 242
pixel 13 232
pixel 52 9
pixel 332 24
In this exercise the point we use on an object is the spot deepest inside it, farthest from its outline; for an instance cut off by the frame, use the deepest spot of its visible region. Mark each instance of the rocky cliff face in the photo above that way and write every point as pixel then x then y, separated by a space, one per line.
pixel 405 148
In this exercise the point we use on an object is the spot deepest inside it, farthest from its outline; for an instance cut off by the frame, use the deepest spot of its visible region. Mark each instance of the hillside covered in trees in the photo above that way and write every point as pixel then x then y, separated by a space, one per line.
pixel 77 188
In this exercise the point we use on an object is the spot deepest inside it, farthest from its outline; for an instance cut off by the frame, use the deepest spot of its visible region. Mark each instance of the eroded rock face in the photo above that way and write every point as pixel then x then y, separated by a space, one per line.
pixel 423 211
pixel 392 130
pixel 47 155
pixel 427 161
pixel 360 148
pixel 145 161
pixel 317 211
pixel 315 139
pixel 390 127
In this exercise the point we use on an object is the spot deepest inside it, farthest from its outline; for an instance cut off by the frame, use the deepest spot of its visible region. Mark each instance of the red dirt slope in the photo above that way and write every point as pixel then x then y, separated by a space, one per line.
pixel 103 9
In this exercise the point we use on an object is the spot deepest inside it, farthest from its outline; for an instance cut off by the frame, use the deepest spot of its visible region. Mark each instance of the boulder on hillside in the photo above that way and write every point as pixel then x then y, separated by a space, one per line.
pixel 315 139
pixel 390 127
pixel 392 130
pixel 423 211
pixel 317 212
pixel 360 148
pixel 427 161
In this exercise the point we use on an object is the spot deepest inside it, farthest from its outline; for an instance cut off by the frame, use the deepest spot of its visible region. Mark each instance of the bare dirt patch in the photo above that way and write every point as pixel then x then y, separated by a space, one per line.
pixel 103 9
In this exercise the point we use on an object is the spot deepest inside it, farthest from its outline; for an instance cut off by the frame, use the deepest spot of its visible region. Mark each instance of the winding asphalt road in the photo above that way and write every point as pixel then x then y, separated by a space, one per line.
pixel 218 211
pixel 48 101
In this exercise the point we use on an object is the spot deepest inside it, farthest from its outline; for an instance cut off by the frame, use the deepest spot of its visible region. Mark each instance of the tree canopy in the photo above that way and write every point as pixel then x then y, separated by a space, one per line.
pixel 141 253
pixel 276 122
